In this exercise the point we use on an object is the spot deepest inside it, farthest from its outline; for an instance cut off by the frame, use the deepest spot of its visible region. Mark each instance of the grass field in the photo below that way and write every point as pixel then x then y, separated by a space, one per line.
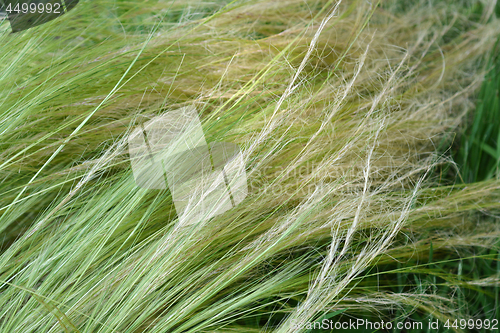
pixel 370 133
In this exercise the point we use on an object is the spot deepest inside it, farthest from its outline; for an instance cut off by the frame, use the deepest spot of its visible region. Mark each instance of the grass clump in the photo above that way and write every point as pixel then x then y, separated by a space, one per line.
pixel 341 110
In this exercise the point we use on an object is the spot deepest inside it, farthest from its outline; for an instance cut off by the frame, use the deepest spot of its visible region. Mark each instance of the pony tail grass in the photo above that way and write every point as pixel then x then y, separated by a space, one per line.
pixel 347 117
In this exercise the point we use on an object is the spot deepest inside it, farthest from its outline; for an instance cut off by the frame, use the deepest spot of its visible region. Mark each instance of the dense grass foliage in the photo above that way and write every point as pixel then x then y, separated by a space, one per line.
pixel 480 145
pixel 346 113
